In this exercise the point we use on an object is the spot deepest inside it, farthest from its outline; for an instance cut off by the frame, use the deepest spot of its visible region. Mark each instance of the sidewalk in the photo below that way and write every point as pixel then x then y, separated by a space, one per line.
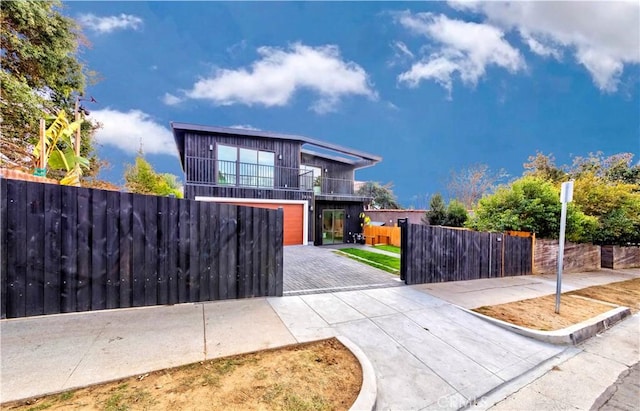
pixel 590 379
pixel 492 291
pixel 426 352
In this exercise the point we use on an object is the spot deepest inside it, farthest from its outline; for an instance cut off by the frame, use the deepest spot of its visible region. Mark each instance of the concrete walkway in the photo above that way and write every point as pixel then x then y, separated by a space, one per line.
pixel 426 352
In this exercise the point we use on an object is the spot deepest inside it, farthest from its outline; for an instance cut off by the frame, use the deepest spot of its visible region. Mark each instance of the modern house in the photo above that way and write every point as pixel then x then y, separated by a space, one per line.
pixel 313 181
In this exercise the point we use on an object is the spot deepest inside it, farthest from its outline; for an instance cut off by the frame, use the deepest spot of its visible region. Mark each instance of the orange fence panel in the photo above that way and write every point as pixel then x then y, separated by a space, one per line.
pixel 382 235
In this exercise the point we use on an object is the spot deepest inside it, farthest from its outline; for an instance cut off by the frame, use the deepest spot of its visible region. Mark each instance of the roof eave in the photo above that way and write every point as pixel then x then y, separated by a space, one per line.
pixel 266 134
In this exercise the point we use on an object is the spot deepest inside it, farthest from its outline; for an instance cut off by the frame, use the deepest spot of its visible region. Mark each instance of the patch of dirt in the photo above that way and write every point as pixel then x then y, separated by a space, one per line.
pixel 624 293
pixel 322 375
pixel 539 313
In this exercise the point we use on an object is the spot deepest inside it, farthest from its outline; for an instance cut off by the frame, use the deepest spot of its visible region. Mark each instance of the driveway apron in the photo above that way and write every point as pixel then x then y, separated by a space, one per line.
pixel 427 353
pixel 311 270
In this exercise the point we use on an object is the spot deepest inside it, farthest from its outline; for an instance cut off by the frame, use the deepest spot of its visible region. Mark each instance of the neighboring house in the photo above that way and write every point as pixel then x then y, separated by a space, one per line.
pixel 264 169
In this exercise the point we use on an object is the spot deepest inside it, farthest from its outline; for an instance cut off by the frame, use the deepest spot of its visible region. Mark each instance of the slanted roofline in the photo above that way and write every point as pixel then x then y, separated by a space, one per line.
pixel 179 130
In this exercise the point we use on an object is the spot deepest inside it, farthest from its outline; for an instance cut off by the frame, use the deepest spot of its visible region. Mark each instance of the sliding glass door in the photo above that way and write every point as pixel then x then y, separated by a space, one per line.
pixel 332 227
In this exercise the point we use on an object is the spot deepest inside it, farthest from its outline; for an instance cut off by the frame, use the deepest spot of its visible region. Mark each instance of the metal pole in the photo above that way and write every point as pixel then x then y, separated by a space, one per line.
pixel 43 146
pixel 77 118
pixel 563 219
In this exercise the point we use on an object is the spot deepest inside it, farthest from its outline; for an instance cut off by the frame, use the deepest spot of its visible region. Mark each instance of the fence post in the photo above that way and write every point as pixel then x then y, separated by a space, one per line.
pixel 403 224
pixel 504 240
pixel 533 253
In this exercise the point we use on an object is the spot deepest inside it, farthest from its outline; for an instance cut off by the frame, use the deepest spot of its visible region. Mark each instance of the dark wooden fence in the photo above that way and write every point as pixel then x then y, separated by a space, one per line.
pixel 436 254
pixel 66 249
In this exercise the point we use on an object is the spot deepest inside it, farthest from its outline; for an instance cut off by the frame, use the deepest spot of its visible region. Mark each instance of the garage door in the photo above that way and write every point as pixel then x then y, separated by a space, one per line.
pixel 293 220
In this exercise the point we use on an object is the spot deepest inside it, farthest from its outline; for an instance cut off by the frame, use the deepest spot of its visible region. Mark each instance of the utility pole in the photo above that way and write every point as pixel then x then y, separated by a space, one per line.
pixel 77 118
pixel 77 111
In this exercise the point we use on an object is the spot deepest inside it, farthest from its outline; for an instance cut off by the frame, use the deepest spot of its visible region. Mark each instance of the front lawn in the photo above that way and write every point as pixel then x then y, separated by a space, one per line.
pixel 377 260
pixel 390 248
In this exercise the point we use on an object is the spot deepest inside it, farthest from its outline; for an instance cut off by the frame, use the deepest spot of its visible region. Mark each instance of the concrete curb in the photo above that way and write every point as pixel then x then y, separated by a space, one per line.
pixel 570 335
pixel 502 391
pixel 368 392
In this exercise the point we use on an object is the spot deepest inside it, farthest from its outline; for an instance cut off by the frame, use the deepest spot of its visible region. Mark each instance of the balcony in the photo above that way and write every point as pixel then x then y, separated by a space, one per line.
pixel 228 174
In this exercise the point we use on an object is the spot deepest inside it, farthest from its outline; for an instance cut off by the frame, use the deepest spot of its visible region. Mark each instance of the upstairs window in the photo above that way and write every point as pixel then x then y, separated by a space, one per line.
pixel 245 167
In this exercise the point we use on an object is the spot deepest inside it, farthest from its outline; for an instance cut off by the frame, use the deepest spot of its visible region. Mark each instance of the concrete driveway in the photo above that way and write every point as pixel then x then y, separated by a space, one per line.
pixel 309 269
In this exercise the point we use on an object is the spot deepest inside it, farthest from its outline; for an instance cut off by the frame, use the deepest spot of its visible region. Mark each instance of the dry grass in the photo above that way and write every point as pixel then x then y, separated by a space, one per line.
pixel 322 375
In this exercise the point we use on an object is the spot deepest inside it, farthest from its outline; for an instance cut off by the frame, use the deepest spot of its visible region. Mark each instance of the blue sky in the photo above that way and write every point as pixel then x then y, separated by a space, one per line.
pixel 431 87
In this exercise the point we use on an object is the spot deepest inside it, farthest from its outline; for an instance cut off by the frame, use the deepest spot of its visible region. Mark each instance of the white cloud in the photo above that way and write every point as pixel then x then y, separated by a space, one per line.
pixel 536 46
pixel 127 130
pixel 392 106
pixel 604 37
pixel 439 69
pixel 403 49
pixel 171 100
pixel 465 48
pixel 280 73
pixel 401 54
pixel 244 127
pixel 108 24
pixel 605 69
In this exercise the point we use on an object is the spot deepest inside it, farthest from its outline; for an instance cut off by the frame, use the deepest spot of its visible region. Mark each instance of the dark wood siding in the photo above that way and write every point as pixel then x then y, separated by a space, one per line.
pixel 200 167
pixel 191 191
pixel 198 145
pixel 200 176
pixel 351 222
pixel 334 169
pixel 337 177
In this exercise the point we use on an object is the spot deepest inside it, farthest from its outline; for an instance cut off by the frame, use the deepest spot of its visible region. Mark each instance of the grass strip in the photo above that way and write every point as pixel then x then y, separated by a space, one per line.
pixel 377 260
pixel 389 248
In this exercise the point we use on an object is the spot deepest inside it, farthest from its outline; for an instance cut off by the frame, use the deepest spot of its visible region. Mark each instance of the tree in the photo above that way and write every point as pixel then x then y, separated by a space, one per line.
pixel 40 76
pixel 606 188
pixel 617 168
pixel 620 169
pixel 470 184
pixel 60 153
pixel 531 204
pixel 615 205
pixel 141 178
pixel 543 166
pixel 437 213
pixel 382 195
pixel 453 215
pixel 456 214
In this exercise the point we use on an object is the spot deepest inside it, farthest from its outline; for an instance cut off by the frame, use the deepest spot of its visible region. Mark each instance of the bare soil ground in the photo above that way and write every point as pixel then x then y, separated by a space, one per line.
pixel 323 375
pixel 624 293
pixel 539 313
